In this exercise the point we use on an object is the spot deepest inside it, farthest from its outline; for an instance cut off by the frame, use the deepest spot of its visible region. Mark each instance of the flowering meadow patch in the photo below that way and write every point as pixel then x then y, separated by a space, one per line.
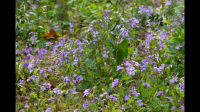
pixel 114 59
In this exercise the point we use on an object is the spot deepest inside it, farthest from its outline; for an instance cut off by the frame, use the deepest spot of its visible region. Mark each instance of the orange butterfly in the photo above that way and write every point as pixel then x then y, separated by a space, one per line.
pixel 51 34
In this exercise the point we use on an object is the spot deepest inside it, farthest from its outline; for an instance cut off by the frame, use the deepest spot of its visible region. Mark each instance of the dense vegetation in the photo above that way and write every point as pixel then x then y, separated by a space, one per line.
pixel 110 56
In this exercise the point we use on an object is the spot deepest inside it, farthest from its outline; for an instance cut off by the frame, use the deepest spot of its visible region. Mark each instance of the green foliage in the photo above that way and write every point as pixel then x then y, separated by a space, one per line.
pixel 83 55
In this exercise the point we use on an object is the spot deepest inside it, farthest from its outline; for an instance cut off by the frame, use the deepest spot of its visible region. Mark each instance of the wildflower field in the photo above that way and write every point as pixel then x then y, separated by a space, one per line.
pixel 99 55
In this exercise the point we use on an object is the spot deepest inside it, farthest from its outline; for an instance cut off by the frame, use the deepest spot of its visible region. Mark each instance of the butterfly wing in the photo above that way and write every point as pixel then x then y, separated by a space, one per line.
pixel 53 33
pixel 47 35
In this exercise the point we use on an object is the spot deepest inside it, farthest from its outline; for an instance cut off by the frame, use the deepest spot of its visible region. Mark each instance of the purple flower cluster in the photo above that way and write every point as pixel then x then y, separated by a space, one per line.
pixel 34 39
pixel 148 85
pixel 159 93
pixel 169 2
pixel 133 22
pixel 48 110
pixel 21 82
pixel 67 79
pixel 103 94
pixel 106 14
pixel 124 32
pixel 57 91
pixel 115 83
pixel 56 28
pixel 148 10
pixel 139 102
pixel 119 67
pixel 113 98
pixel 43 88
pixel 48 85
pixel 126 97
pixel 169 99
pixel 33 77
pixel 106 54
pixel 85 104
pixel 86 92
pixel 181 85
pixel 173 80
pixel 129 66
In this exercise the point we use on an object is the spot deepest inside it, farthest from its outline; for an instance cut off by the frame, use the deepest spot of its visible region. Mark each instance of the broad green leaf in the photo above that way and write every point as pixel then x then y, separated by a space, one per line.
pixel 121 90
pixel 98 59
pixel 175 39
pixel 37 80
pixel 167 108
pixel 59 34
pixel 35 71
pixel 75 98
pixel 129 81
pixel 144 93
pixel 167 22
pixel 94 6
pixel 126 77
pixel 171 50
pixel 93 106
pixel 148 80
pixel 42 43
pixel 34 95
pixel 65 22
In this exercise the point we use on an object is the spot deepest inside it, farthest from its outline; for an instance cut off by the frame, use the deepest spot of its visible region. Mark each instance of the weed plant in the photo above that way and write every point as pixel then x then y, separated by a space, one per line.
pixel 125 56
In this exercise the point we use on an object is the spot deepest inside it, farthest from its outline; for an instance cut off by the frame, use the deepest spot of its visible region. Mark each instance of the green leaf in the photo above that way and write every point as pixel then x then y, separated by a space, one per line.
pixel 167 22
pixel 144 93
pixel 75 98
pixel 34 95
pixel 113 26
pixel 65 22
pixel 94 6
pixel 121 90
pixel 167 108
pixel 148 80
pixel 59 34
pixel 37 80
pixel 175 39
pixel 126 77
pixel 42 43
pixel 172 50
pixel 129 81
pixel 35 71
pixel 93 106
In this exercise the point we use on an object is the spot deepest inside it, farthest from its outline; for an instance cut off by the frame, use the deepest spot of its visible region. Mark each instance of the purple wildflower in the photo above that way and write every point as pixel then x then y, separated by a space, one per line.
pixel 76 110
pixel 34 7
pixel 173 80
pixel 26 105
pixel 48 110
pixel 140 102
pixel 115 83
pixel 158 93
pixel 182 108
pixel 34 39
pixel 119 67
pixel 86 92
pixel 113 98
pixel 43 8
pixel 169 2
pixel 124 32
pixel 130 70
pixel 43 88
pixel 21 82
pixel 126 97
pixel 173 107
pixel 21 29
